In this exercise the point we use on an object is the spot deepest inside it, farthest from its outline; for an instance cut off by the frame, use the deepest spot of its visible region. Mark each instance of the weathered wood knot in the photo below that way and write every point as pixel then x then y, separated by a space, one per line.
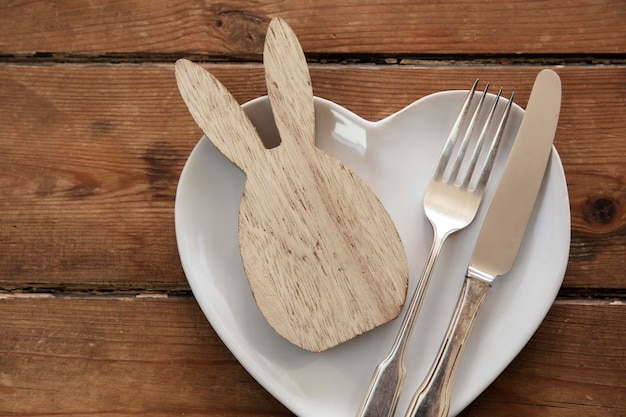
pixel 600 210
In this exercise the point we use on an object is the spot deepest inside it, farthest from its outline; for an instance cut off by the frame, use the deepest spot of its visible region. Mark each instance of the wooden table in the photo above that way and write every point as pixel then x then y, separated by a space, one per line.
pixel 96 316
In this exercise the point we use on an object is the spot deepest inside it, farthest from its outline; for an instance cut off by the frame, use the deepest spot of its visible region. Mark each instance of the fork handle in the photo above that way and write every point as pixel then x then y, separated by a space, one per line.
pixel 386 383
pixel 432 398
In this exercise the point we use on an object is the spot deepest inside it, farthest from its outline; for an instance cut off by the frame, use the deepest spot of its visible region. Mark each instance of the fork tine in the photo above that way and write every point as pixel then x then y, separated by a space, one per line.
pixel 495 144
pixel 480 142
pixel 444 157
pixel 466 138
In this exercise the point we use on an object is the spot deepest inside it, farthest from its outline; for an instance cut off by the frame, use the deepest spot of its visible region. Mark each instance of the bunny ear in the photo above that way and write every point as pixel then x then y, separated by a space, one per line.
pixel 289 85
pixel 219 115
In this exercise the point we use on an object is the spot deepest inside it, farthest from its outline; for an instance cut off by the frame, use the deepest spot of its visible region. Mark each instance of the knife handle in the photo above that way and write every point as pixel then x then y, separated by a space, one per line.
pixel 432 398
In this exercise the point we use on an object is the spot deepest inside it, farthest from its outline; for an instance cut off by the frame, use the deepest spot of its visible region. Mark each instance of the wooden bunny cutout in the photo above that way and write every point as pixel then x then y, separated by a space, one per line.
pixel 322 256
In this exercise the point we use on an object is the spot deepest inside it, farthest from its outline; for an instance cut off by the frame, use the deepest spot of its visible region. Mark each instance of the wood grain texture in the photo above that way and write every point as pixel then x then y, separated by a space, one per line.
pixel 323 258
pixel 120 357
pixel 89 169
pixel 94 137
pixel 238 27
pixel 91 157
pixel 573 365
pixel 344 253
pixel 156 356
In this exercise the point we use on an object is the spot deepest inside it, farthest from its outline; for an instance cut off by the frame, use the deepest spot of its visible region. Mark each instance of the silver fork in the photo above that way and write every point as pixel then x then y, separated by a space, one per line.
pixel 451 201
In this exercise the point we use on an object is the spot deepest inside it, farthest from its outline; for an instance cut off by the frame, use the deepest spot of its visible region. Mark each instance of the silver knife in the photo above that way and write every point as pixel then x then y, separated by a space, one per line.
pixel 499 239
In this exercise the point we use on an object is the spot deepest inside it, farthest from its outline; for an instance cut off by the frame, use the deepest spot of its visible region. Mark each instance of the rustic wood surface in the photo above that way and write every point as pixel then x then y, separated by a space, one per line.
pixel 96 317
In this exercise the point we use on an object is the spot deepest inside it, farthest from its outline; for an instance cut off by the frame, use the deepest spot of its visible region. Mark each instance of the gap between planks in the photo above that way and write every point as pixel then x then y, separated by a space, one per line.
pixel 599 297
pixel 326 58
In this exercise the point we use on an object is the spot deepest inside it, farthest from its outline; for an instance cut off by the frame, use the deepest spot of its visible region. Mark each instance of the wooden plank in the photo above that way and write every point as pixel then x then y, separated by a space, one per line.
pixel 158 356
pixel 238 27
pixel 120 357
pixel 573 365
pixel 91 156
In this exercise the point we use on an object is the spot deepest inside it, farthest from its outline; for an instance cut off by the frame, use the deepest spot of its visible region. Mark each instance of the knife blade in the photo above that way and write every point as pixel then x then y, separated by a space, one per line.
pixel 499 239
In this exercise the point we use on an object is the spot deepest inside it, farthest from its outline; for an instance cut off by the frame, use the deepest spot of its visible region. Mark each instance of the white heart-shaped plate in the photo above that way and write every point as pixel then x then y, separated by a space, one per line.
pixel 396 157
